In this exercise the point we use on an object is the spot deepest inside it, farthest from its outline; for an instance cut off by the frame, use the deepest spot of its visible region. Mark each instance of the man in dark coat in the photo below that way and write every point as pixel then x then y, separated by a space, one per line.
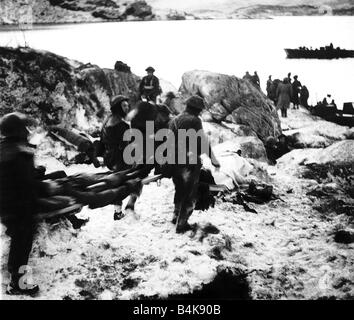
pixel 269 86
pixel 149 87
pixel 19 188
pixel 255 80
pixel 296 86
pixel 304 95
pixel 185 174
pixel 247 76
pixel 112 135
pixel 284 94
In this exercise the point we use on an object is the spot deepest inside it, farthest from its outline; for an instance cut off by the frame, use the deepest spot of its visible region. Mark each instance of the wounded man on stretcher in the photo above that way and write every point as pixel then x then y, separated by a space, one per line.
pixel 94 190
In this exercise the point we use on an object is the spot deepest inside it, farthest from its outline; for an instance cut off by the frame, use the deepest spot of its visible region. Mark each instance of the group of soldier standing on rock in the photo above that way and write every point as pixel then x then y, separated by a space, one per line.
pixel 282 93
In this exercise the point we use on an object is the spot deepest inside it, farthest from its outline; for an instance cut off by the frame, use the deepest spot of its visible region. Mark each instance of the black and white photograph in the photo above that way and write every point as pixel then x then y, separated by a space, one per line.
pixel 164 150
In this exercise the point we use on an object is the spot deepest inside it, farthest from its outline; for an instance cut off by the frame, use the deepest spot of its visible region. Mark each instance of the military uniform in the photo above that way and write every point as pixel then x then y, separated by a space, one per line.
pixel 112 137
pixel 18 196
pixel 186 176
pixel 150 86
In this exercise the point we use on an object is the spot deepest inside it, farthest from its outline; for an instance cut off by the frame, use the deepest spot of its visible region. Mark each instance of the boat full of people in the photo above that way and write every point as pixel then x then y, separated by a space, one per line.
pixel 327 52
pixel 329 111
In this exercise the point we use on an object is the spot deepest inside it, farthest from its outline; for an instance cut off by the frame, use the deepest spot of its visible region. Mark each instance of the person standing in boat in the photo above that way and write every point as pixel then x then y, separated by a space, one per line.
pixel 284 94
pixel 328 101
pixel 296 86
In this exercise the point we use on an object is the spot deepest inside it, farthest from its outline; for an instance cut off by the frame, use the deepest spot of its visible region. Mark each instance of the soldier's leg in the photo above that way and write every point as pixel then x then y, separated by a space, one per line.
pixel 179 194
pixel 191 179
pixel 118 214
pixel 20 248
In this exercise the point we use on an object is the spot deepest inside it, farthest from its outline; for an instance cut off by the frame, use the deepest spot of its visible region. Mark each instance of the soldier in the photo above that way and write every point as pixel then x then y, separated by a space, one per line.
pixel 296 87
pixel 284 94
pixel 255 80
pixel 19 189
pixel 247 76
pixel 112 134
pixel 149 87
pixel 186 175
pixel 269 85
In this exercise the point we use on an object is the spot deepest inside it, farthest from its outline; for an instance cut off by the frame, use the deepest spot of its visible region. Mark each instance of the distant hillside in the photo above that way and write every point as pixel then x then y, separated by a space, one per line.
pixel 70 11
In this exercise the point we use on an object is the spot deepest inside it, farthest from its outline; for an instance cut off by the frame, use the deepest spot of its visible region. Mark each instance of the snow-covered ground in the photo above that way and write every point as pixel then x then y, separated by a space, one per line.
pixel 286 250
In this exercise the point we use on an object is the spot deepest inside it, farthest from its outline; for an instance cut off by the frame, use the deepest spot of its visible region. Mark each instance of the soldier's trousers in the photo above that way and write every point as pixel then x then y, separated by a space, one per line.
pixel 185 179
pixel 284 112
pixel 21 234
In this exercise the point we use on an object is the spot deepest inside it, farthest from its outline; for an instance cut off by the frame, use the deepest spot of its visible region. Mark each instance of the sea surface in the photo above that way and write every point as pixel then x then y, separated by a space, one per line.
pixel 225 46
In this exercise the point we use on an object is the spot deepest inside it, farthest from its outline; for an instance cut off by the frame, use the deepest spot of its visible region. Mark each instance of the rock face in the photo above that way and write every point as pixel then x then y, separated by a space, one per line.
pixel 58 90
pixel 234 100
pixel 108 9
pixel 236 137
pixel 341 152
pixel 308 131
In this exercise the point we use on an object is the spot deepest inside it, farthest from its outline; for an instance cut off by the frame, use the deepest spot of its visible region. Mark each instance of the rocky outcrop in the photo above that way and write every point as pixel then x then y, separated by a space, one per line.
pixel 57 90
pixel 108 9
pixel 234 100
pixel 341 152
pixel 69 11
pixel 308 131
pixel 236 137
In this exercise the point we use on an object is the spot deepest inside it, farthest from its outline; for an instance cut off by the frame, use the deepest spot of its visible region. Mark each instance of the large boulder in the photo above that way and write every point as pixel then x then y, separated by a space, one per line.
pixel 57 90
pixel 235 137
pixel 235 100
pixel 341 152
pixel 338 154
pixel 308 131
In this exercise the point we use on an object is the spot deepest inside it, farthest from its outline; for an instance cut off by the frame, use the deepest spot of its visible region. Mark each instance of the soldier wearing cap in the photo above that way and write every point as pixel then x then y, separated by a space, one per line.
pixel 185 175
pixel 18 195
pixel 112 133
pixel 149 87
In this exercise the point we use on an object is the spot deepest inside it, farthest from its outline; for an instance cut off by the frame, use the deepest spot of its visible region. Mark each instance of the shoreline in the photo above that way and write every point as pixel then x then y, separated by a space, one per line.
pixel 68 23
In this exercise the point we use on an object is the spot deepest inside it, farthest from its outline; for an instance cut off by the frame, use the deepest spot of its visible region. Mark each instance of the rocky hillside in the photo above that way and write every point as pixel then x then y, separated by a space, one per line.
pixel 69 11
pixel 58 90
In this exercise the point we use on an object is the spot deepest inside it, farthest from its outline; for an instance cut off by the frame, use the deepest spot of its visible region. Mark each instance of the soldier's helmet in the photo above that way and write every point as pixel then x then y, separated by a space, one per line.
pixel 116 103
pixel 150 69
pixel 270 141
pixel 195 102
pixel 15 124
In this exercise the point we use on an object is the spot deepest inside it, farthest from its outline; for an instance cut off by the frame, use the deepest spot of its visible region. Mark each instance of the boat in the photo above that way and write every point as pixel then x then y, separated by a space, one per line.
pixel 327 52
pixel 330 113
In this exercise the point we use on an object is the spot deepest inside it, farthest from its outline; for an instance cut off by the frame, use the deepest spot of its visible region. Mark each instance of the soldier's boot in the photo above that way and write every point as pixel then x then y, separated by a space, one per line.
pixel 118 213
pixel 182 221
pixel 76 222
